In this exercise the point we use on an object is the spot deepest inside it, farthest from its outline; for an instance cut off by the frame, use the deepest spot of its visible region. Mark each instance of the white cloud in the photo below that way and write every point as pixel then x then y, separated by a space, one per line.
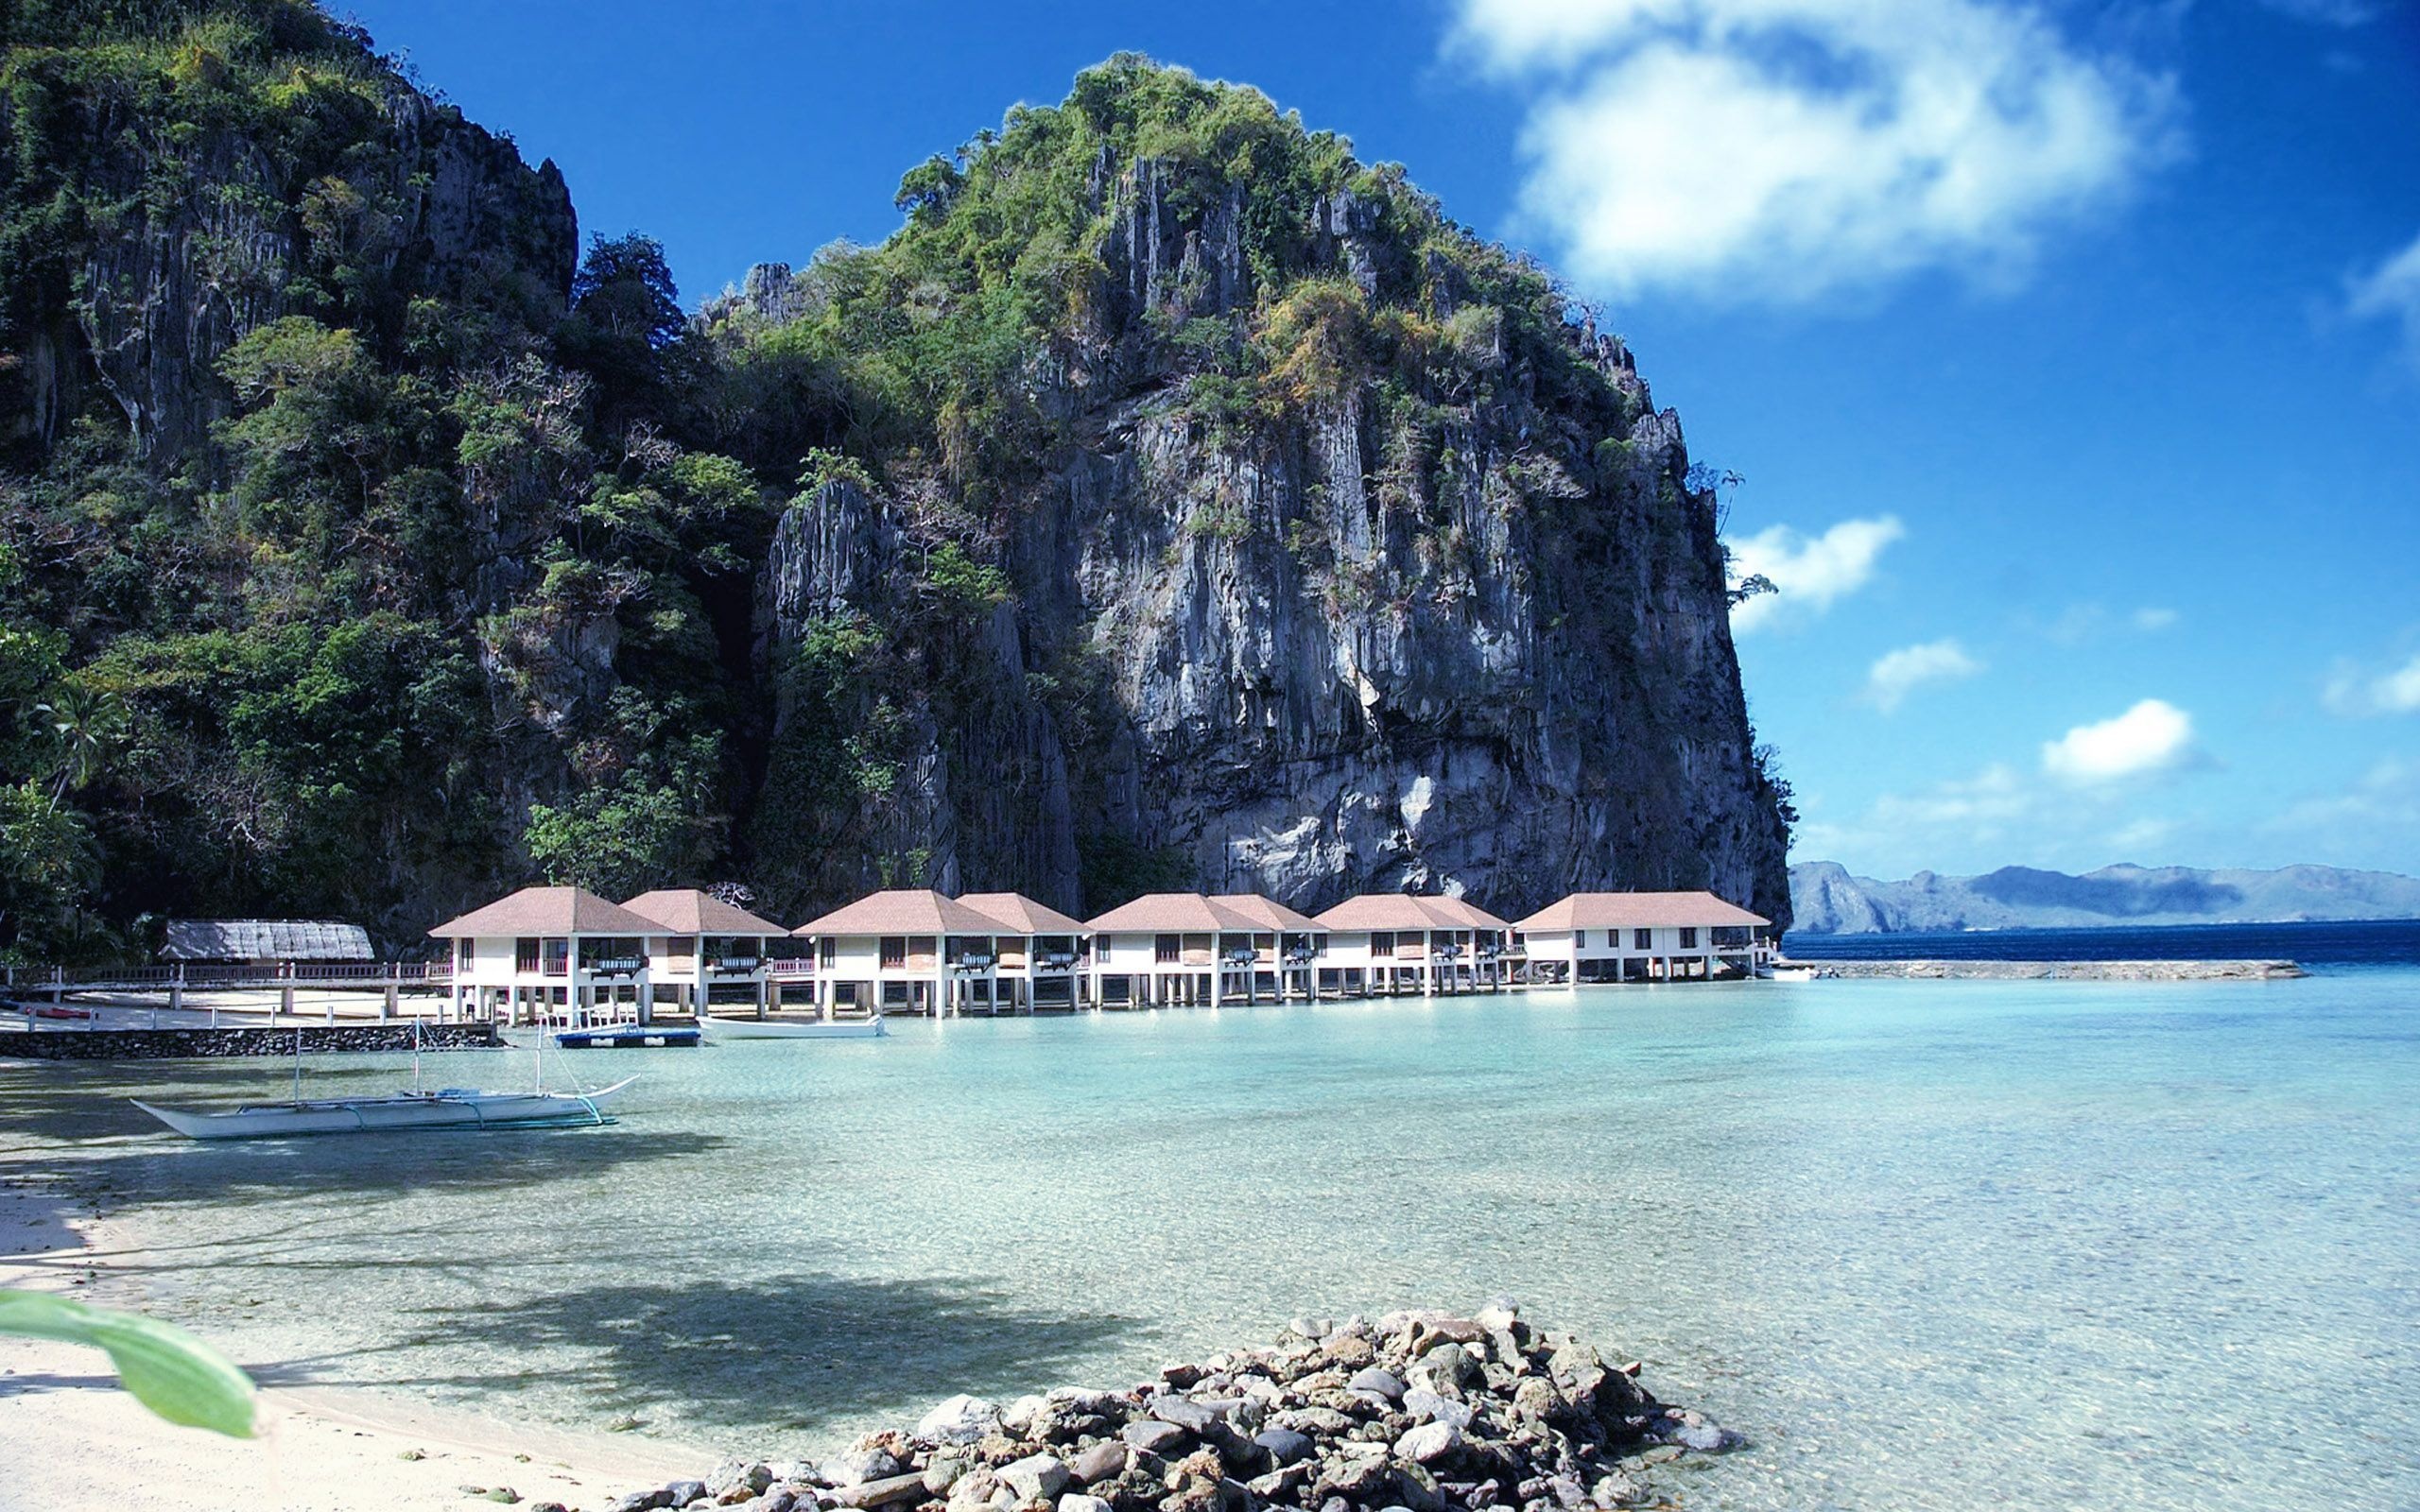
pixel 2398 691
pixel 2355 690
pixel 1781 150
pixel 2386 797
pixel 2081 624
pixel 1991 798
pixel 1894 676
pixel 2070 813
pixel 2152 736
pixel 2391 291
pixel 1998 811
pixel 1808 573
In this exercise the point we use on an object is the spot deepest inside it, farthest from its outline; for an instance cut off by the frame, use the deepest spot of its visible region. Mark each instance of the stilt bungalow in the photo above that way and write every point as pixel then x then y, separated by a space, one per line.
pixel 906 950
pixel 1281 956
pixel 1644 937
pixel 1184 947
pixel 1042 951
pixel 1387 943
pixel 551 955
pixel 704 952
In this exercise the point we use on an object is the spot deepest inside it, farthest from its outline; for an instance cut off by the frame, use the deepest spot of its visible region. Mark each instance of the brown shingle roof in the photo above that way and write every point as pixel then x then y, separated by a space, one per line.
pixel 1460 913
pixel 1639 910
pixel 1020 915
pixel 902 911
pixel 1400 910
pixel 689 911
pixel 548 911
pixel 1193 913
pixel 1265 913
pixel 1174 912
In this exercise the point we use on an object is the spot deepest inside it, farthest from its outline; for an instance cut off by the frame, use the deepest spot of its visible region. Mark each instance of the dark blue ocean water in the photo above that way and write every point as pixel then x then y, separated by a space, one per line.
pixel 2394 942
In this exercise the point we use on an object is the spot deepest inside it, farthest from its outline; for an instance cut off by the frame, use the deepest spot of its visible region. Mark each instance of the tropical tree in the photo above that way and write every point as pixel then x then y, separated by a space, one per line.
pixel 83 726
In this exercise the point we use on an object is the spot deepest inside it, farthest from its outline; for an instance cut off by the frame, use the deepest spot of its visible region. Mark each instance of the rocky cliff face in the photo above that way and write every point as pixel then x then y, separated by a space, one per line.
pixel 1190 505
pixel 270 318
pixel 210 231
pixel 1481 648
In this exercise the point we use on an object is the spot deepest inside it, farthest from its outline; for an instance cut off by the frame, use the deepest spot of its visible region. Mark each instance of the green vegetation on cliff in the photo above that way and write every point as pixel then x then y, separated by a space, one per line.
pixel 364 548
pixel 339 528
pixel 922 353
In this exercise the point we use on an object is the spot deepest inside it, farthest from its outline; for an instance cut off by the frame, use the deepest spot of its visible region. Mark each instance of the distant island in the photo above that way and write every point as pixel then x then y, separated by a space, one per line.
pixel 1826 899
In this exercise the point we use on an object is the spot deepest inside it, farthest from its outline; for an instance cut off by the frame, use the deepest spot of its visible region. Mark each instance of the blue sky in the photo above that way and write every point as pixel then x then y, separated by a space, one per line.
pixel 2070 354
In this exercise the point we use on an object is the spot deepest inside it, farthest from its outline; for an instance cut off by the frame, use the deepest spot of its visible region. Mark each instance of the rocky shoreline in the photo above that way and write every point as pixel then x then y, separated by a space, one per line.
pixel 1419 1410
pixel 388 1039
pixel 1936 970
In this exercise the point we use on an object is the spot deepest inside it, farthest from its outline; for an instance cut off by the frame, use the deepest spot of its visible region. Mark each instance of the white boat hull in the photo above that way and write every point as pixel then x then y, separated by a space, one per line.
pixel 718 1030
pixel 446 1110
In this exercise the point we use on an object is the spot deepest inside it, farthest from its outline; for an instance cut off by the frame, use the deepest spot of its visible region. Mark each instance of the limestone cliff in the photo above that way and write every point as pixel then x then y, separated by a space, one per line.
pixel 1457 621
pixel 1173 501
pixel 173 237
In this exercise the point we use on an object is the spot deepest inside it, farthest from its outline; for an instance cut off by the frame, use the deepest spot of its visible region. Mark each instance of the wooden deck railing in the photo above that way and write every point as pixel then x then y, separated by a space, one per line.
pixel 365 974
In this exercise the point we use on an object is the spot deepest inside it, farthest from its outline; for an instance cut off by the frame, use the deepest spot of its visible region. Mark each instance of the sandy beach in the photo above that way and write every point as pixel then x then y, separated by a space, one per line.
pixel 75 1440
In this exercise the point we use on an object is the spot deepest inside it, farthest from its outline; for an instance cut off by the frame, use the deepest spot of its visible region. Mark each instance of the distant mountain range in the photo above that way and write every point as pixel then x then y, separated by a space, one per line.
pixel 1825 900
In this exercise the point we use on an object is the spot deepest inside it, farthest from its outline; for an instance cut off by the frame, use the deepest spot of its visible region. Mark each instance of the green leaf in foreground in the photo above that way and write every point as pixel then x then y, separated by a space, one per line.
pixel 168 1370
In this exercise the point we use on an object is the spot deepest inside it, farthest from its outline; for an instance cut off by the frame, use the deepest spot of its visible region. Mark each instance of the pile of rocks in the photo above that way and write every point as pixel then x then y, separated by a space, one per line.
pixel 1421 1411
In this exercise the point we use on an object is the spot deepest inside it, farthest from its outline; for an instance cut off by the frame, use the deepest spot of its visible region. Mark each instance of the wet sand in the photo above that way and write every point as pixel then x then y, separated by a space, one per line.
pixel 75 1440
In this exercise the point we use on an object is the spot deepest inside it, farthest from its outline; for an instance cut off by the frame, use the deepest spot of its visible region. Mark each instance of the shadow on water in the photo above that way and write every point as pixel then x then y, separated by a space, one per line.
pixel 69 1100
pixel 801 1352
pixel 81 1100
pixel 168 1172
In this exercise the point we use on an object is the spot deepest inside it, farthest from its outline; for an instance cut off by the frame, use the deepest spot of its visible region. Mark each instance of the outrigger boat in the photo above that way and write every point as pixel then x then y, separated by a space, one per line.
pixel 718 1030
pixel 452 1107
pixel 448 1108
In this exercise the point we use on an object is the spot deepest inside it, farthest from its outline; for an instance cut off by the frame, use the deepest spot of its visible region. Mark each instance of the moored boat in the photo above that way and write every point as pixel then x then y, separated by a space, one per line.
pixel 453 1108
pixel 627 1037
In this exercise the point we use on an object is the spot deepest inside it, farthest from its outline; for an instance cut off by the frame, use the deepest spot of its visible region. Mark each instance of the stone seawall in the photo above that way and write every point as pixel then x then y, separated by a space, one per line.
pixel 180 1044
pixel 2053 971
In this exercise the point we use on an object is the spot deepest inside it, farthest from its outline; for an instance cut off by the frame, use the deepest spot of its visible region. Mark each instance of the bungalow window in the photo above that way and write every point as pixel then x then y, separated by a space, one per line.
pixel 1167 949
pixel 558 955
pixel 463 951
pixel 1382 942
pixel 611 954
pixel 1689 938
pixel 1642 939
pixel 1580 939
pixel 827 950
pixel 524 953
pixel 895 951
pixel 680 948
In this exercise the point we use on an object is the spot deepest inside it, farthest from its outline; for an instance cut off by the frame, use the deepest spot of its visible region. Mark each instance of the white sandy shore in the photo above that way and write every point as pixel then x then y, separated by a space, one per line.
pixel 73 1440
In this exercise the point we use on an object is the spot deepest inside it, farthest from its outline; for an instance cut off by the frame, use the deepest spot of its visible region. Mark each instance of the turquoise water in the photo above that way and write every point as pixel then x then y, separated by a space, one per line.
pixel 1927 1245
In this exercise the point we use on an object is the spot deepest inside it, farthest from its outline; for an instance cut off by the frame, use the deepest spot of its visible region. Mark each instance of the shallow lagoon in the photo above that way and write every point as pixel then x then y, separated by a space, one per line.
pixel 1928 1245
